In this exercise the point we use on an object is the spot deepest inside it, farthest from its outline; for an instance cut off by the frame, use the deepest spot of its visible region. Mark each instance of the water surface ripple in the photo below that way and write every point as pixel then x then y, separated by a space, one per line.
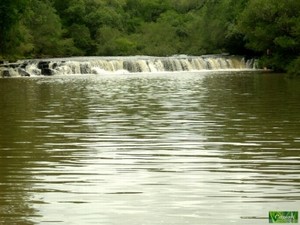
pixel 178 148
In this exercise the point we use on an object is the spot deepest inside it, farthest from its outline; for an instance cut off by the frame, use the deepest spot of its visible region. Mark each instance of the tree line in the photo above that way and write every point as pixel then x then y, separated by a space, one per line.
pixel 268 29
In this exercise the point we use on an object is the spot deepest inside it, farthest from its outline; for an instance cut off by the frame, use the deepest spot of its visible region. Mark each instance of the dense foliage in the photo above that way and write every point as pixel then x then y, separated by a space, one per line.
pixel 269 29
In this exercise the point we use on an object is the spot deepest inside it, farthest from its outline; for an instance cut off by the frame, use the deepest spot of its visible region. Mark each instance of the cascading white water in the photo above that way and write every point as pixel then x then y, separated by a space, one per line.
pixel 133 64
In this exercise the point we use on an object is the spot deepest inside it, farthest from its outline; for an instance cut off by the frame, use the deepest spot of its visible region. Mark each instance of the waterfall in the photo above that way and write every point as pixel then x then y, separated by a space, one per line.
pixel 131 64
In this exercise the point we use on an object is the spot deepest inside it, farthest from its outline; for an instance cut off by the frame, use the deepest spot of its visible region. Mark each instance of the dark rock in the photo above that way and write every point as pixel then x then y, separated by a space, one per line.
pixel 13 65
pixel 23 65
pixel 129 66
pixel 2 62
pixel 54 65
pixel 45 69
pixel 85 69
pixel 23 73
pixel 6 73
pixel 43 65
pixel 47 72
pixel 10 65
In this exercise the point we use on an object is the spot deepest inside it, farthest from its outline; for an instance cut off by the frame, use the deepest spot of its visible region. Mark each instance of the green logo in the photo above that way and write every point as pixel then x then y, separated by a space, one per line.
pixel 283 217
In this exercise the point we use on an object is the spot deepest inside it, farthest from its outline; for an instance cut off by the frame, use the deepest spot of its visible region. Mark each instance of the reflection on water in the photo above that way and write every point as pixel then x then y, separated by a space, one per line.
pixel 190 148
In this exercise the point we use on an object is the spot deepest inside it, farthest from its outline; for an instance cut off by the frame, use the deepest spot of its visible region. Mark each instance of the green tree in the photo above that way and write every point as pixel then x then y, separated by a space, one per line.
pixel 272 29
pixel 111 41
pixel 157 39
pixel 81 36
pixel 185 6
pixel 148 10
pixel 46 29
pixel 211 31
pixel 102 16
pixel 10 14
pixel 105 39
pixel 39 28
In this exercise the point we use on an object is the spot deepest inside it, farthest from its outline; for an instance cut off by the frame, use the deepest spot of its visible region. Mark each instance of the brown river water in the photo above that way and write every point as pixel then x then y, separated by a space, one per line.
pixel 209 148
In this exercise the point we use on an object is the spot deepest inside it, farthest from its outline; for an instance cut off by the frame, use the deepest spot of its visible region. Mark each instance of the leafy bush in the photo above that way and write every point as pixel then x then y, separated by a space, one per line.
pixel 294 68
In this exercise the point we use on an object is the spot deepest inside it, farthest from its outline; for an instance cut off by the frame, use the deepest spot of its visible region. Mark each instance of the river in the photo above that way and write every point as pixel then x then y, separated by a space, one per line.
pixel 155 149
